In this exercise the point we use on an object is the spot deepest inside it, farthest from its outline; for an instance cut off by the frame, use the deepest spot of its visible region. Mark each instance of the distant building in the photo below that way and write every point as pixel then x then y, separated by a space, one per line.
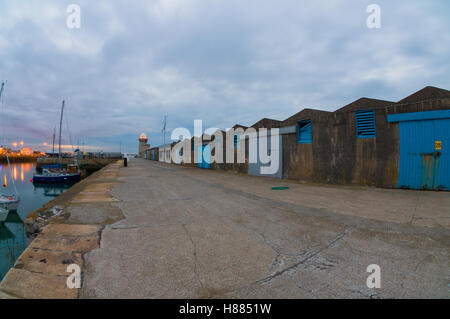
pixel 26 151
pixel 143 145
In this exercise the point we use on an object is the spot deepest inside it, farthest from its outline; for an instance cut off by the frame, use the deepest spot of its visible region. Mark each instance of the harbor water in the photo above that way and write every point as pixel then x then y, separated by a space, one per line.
pixel 13 239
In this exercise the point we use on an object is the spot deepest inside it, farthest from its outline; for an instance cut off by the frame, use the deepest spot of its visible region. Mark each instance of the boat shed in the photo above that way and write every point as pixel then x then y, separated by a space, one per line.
pixel 165 153
pixel 264 140
pixel 367 143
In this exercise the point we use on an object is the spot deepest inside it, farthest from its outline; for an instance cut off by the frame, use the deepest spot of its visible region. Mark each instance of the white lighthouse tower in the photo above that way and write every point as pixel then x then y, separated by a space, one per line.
pixel 143 145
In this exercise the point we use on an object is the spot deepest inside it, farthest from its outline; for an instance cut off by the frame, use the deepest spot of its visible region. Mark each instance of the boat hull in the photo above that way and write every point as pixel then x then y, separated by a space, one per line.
pixel 9 204
pixel 3 215
pixel 68 178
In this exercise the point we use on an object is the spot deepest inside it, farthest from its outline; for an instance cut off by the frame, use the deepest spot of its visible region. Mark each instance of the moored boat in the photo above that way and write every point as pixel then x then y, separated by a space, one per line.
pixel 3 214
pixel 9 202
pixel 48 176
pixel 55 173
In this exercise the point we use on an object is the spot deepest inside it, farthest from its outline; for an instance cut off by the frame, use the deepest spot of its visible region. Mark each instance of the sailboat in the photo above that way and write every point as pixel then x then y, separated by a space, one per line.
pixel 11 201
pixel 3 214
pixel 56 174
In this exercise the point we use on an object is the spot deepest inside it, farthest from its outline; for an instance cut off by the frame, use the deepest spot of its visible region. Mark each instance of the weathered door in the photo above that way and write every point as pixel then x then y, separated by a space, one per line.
pixel 204 157
pixel 274 150
pixel 207 156
pixel 424 155
pixel 442 143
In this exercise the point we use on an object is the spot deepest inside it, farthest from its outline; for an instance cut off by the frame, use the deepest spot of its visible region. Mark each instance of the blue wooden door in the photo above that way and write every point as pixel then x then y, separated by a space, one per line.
pixel 200 156
pixel 204 156
pixel 423 165
pixel 442 135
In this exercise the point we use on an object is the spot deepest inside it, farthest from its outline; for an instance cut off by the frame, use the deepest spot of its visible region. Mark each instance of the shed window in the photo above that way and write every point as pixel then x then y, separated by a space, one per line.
pixel 304 132
pixel 236 141
pixel 365 124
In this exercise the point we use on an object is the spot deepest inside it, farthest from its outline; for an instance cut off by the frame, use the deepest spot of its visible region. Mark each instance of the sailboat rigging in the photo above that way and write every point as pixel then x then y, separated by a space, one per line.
pixel 10 201
pixel 55 173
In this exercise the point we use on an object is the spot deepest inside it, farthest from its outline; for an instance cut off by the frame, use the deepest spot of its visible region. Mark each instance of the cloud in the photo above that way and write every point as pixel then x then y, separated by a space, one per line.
pixel 224 62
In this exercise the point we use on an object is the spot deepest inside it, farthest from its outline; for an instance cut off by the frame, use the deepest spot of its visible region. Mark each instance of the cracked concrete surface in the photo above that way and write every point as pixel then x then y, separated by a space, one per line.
pixel 190 233
pixel 154 230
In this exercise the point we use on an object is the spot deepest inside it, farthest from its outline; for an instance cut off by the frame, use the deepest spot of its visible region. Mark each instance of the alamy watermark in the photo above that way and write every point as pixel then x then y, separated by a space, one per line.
pixel 236 145
pixel 74 280
pixel 374 19
pixel 74 18
pixel 374 279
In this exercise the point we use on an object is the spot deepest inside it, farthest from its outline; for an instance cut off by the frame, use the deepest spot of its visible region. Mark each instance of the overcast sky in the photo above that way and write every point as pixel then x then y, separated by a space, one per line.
pixel 222 61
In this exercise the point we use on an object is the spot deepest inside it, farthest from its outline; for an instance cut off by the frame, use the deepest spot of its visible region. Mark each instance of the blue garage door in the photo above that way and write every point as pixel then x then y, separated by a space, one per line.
pixel 204 157
pixel 424 150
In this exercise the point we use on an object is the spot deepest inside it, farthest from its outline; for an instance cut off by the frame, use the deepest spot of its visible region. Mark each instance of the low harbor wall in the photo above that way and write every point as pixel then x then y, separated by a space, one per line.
pixel 90 164
pixel 18 159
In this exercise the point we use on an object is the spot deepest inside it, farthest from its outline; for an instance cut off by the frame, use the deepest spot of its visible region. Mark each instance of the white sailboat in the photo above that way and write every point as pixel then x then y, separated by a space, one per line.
pixel 8 201
pixel 3 214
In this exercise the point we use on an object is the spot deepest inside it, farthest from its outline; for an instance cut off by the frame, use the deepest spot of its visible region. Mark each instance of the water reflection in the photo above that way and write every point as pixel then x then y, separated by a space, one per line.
pixel 13 239
pixel 52 190
pixel 16 170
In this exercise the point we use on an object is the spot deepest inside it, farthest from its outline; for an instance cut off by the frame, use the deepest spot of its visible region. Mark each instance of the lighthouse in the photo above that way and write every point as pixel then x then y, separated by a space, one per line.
pixel 143 145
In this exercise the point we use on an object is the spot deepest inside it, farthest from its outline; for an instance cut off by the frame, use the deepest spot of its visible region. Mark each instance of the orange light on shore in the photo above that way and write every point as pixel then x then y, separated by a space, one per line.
pixel 14 144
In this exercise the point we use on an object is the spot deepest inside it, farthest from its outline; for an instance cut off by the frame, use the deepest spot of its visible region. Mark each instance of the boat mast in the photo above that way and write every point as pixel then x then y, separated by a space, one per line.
pixel 60 129
pixel 54 134
pixel 1 89
pixel 4 139
pixel 164 128
pixel 3 124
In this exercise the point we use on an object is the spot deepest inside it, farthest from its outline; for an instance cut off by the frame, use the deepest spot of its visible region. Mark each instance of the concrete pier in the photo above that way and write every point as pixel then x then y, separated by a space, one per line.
pixel 41 271
pixel 155 230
